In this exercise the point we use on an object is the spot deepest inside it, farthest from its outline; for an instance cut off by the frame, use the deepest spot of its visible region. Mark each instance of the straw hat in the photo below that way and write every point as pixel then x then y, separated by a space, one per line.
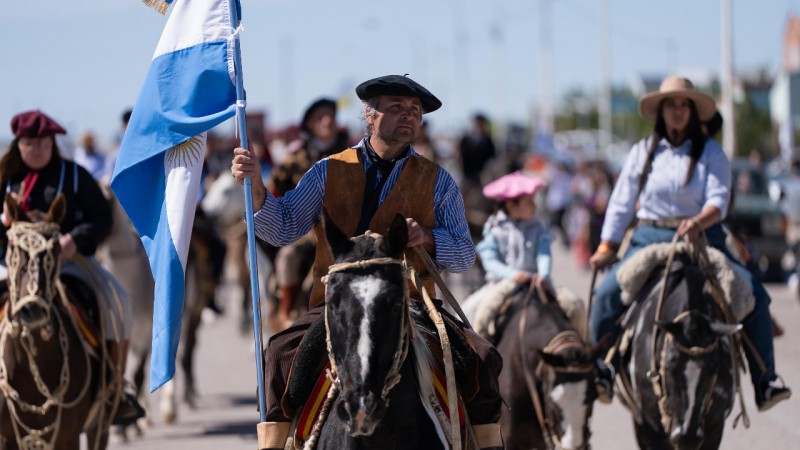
pixel 675 86
pixel 511 186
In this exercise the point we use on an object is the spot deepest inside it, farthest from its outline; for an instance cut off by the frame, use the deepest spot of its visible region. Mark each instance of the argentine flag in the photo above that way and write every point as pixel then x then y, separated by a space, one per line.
pixel 189 89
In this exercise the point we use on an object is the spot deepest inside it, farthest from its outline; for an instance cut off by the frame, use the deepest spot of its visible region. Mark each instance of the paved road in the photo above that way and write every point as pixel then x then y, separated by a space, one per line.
pixel 226 416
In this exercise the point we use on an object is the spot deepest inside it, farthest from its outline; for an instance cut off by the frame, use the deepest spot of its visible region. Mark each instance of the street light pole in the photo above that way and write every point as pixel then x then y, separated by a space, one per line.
pixel 726 81
pixel 604 95
pixel 547 100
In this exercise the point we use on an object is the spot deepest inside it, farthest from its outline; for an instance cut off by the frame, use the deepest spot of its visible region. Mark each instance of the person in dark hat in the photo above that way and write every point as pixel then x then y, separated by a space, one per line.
pixel 320 137
pixel 33 172
pixel 383 162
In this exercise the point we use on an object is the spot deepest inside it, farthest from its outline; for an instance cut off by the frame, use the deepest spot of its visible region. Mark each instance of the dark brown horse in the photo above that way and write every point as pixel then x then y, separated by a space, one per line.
pixel 547 378
pixel 48 379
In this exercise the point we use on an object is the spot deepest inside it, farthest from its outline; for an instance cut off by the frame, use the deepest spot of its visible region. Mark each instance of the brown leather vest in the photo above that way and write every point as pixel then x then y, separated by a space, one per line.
pixel 411 195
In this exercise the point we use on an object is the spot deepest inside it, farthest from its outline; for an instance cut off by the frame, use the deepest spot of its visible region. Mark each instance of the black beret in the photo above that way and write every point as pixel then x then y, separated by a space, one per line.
pixel 398 85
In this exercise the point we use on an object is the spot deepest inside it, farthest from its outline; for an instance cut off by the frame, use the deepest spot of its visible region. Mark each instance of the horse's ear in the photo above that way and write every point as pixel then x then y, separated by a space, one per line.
pixel 396 237
pixel 725 329
pixel 551 359
pixel 14 211
pixel 337 241
pixel 58 209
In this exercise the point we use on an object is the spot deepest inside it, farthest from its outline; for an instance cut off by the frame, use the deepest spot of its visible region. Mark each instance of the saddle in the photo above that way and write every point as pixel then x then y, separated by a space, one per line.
pixel 504 299
pixel 84 308
pixel 308 382
pixel 635 272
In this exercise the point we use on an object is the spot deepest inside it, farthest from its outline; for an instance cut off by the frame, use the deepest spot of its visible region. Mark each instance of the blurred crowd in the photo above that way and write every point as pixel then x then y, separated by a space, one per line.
pixel 573 203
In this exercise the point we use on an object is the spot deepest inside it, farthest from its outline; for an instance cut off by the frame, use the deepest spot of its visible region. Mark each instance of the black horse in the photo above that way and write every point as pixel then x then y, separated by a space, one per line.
pixel 680 386
pixel 380 403
pixel 546 362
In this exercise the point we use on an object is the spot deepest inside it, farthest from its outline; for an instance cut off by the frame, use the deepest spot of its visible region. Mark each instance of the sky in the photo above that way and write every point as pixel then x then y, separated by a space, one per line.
pixel 83 62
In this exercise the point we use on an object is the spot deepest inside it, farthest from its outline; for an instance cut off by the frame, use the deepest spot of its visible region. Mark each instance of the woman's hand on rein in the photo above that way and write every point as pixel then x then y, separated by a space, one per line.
pixel 690 227
pixel 605 256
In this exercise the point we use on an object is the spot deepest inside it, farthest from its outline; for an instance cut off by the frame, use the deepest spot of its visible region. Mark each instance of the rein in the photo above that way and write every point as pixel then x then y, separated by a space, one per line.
pixel 563 340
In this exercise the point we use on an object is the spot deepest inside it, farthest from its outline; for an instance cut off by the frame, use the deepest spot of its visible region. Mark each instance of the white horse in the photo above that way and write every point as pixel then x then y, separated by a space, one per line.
pixel 224 204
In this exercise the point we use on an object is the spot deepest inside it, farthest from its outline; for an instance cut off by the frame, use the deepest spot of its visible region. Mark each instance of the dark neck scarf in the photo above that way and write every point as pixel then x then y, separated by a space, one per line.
pixel 374 185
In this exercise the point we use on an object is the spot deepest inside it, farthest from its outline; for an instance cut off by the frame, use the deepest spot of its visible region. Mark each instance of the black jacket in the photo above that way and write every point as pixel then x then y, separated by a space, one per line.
pixel 88 217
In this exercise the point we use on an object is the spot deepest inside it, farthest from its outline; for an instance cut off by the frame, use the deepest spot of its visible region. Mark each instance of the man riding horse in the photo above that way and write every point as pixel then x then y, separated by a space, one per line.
pixel 363 188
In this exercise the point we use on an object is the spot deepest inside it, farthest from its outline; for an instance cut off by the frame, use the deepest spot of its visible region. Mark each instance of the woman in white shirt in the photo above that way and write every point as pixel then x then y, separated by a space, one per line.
pixel 676 180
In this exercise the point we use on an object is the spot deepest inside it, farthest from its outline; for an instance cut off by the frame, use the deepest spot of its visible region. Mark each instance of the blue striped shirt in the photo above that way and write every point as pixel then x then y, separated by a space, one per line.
pixel 665 195
pixel 284 220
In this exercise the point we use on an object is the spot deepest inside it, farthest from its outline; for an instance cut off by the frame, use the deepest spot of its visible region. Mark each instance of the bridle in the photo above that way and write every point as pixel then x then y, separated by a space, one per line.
pixel 564 340
pixel 691 352
pixel 393 376
pixel 31 240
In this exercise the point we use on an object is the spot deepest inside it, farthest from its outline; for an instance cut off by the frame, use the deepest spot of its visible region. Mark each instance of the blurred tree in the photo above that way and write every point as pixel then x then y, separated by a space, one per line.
pixel 753 130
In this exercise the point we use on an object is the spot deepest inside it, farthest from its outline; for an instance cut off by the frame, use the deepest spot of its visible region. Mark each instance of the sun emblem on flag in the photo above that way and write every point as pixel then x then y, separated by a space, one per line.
pixel 187 153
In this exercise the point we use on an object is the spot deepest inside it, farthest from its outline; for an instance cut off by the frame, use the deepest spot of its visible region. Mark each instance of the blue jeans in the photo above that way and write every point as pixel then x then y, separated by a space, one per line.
pixel 608 307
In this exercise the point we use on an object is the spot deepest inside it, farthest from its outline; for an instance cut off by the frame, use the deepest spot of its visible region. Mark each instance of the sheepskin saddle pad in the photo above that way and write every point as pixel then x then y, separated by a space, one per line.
pixel 635 271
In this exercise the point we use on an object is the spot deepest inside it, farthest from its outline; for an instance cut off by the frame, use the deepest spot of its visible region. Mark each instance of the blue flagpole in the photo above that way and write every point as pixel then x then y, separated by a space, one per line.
pixel 248 201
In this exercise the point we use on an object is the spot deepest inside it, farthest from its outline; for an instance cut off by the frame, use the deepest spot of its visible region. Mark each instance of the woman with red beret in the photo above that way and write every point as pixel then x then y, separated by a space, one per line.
pixel 34 173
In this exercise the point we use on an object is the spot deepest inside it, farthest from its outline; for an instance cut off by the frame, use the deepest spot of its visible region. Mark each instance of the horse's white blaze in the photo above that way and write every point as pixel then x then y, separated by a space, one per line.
pixel 692 374
pixel 366 290
pixel 570 397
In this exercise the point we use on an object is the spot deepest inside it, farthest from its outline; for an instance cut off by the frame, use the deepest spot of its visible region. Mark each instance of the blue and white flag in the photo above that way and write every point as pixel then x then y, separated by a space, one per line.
pixel 189 89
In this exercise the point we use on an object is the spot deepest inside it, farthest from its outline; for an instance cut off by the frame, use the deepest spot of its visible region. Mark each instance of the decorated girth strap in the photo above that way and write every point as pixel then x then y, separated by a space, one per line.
pixel 84 328
pixel 313 407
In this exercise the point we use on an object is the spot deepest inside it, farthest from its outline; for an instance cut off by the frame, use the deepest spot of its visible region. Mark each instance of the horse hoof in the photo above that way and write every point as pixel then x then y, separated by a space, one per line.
pixel 169 417
pixel 191 403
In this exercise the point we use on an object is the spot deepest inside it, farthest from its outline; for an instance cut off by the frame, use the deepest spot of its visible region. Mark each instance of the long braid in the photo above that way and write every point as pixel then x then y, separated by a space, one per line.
pixel 694 132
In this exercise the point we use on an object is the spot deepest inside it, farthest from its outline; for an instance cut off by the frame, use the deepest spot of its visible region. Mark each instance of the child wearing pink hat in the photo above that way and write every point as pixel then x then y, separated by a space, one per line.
pixel 515 244
pixel 515 248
